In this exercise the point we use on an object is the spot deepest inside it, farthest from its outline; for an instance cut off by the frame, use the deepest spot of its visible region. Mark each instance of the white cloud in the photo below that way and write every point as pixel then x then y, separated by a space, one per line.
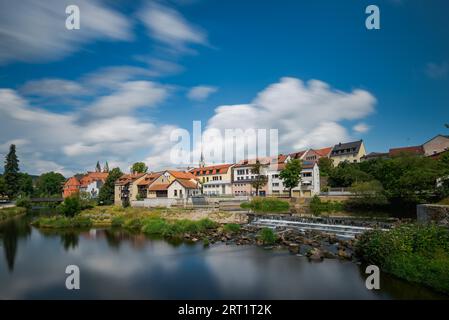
pixel 34 30
pixel 200 93
pixel 306 114
pixel 130 96
pixel 53 87
pixel 170 28
pixel 437 70
pixel 361 128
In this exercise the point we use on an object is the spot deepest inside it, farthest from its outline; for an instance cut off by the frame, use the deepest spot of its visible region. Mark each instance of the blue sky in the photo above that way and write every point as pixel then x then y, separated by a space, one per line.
pixel 387 86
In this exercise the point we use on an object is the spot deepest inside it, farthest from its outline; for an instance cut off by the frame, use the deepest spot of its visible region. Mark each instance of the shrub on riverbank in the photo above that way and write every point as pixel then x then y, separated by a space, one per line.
pixel 267 236
pixel 231 227
pixel 266 205
pixel 60 222
pixel 7 213
pixel 176 228
pixel 317 206
pixel 417 253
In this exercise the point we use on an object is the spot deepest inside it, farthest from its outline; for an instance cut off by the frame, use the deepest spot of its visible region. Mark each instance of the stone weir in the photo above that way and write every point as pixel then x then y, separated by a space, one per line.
pixel 344 227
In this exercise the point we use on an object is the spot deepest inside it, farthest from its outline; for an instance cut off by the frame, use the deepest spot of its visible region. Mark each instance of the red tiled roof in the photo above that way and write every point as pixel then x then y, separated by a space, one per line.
pixel 72 182
pixel 188 184
pixel 323 152
pixel 181 174
pixel 93 176
pixel 415 150
pixel 217 169
pixel 158 187
pixel 149 178
pixel 297 155
pixel 127 178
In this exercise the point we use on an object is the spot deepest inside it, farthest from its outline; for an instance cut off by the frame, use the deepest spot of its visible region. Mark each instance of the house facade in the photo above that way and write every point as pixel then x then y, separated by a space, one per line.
pixel 215 180
pixel 436 145
pixel 350 152
pixel 243 177
pixel 90 183
pixel 126 187
pixel 183 189
pixel 71 187
pixel 307 187
pixel 316 154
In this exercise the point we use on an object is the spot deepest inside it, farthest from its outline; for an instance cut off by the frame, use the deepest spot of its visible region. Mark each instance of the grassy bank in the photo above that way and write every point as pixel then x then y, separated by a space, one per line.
pixel 7 213
pixel 148 221
pixel 267 205
pixel 416 253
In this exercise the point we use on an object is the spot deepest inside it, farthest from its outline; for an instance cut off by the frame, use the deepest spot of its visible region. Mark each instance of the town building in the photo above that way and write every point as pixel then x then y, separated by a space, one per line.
pixel 89 183
pixel 315 154
pixel 126 187
pixel 307 187
pixel 243 177
pixel 349 151
pixel 92 182
pixel 71 187
pixel 161 187
pixel 436 145
pixel 412 151
pixel 216 180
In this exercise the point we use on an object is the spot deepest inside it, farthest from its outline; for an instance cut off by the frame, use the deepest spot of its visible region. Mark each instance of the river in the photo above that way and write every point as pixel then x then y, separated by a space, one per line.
pixel 119 265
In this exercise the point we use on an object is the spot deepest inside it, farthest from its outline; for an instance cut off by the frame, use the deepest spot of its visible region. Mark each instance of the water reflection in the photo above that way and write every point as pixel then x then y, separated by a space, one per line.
pixel 10 232
pixel 119 264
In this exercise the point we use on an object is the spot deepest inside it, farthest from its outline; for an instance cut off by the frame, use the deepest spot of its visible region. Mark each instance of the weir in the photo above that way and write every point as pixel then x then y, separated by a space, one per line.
pixel 304 224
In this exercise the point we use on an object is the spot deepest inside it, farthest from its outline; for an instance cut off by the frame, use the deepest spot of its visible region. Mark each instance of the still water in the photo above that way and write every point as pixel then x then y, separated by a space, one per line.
pixel 119 265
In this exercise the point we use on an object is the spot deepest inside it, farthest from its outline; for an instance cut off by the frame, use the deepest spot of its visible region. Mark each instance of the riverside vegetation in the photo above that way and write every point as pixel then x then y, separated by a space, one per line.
pixel 417 253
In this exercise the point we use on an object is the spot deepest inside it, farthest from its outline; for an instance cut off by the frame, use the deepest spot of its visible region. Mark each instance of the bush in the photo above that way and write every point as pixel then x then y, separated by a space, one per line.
pixel 7 213
pixel 416 253
pixel 23 202
pixel 133 224
pixel 317 206
pixel 231 227
pixel 267 236
pixel 71 206
pixel 117 221
pixel 266 205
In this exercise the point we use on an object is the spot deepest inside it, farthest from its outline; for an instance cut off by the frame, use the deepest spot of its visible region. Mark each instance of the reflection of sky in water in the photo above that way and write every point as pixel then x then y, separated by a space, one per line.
pixel 119 265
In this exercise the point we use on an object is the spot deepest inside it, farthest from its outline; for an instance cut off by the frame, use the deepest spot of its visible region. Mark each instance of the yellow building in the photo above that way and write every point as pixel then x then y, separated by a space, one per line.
pixel 350 152
pixel 216 180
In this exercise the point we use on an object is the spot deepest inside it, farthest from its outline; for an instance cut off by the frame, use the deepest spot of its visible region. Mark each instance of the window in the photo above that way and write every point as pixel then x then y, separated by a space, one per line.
pixel 175 193
pixel 307 174
pixel 275 184
pixel 275 176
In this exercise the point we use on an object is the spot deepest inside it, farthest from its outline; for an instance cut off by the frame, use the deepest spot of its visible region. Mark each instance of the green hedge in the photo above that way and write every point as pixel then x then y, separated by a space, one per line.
pixel 417 253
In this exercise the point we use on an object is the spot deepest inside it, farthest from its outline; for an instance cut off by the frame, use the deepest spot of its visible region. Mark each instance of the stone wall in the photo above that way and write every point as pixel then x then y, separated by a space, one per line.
pixel 427 213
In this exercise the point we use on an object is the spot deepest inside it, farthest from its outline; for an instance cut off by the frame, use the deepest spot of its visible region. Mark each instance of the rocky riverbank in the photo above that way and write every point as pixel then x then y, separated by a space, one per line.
pixel 312 244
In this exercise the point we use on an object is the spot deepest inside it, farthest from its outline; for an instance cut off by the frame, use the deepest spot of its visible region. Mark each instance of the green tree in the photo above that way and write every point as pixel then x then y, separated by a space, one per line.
pixel 345 174
pixel 139 167
pixel 259 179
pixel 25 184
pixel 291 174
pixel 11 173
pixel 71 206
pixel 2 186
pixel 50 183
pixel 369 194
pixel 106 194
pixel 326 165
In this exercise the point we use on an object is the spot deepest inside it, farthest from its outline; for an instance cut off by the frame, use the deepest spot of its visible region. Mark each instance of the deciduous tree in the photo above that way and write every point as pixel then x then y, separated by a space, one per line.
pixel 291 174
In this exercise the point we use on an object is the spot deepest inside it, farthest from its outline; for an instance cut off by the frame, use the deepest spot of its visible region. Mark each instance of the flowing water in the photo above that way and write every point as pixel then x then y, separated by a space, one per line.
pixel 119 265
